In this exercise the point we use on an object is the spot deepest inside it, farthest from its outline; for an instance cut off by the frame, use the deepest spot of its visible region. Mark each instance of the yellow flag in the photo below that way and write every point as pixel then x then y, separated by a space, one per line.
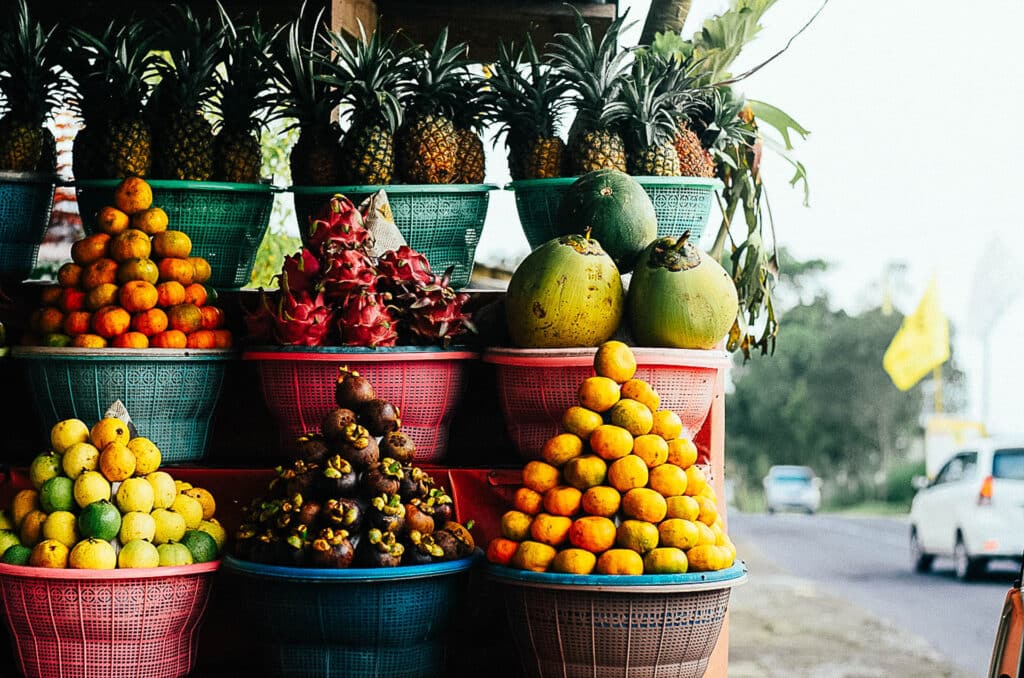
pixel 921 344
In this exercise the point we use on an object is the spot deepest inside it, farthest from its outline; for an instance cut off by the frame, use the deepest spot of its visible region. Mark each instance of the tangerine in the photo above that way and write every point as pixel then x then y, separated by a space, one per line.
pixel 174 244
pixel 50 320
pixel 102 295
pixel 500 551
pixel 71 299
pixel 562 500
pixel 169 339
pixel 534 556
pixel 638 389
pixel 111 220
pixel 627 473
pixel 69 275
pixel 540 476
pixel 620 561
pixel 181 270
pixel 561 448
pixel 581 421
pixel 601 500
pixel 185 317
pixel 222 339
pixel 151 221
pixel 667 424
pixel 598 393
pixel 150 322
pixel 133 195
pixel 549 529
pixel 644 504
pixel 138 295
pixel 593 533
pixel 201 339
pixel 668 480
pixel 611 442
pixel 131 244
pixel 77 322
pixel 102 271
pixel 203 270
pixel 90 248
pixel 138 269
pixel 574 561
pixel 88 341
pixel 111 321
pixel 696 481
pixel 651 448
pixel 682 452
pixel 50 295
pixel 615 360
pixel 632 415
pixel 171 293
pixel 213 317
pixel 528 501
pixel 637 535
pixel 515 525
pixel 585 471
pixel 683 507
pixel 130 340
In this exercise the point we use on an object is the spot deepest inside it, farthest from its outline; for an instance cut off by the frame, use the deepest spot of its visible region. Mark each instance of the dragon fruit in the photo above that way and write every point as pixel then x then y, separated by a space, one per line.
pixel 347 272
pixel 301 319
pixel 367 321
pixel 302 270
pixel 340 224
pixel 434 313
pixel 259 323
pixel 405 265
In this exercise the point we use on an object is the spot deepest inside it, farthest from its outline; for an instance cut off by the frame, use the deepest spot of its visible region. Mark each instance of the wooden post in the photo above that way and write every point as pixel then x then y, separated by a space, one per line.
pixel 346 16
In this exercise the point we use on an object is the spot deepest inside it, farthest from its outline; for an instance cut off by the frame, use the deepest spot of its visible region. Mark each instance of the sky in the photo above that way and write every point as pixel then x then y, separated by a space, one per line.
pixel 913 154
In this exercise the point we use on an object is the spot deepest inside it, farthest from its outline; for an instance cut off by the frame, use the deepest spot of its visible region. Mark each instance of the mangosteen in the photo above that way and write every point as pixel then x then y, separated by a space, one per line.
pixel 331 549
pixel 312 448
pixel 358 447
pixel 439 500
pixel 384 477
pixel 334 422
pixel 344 513
pixel 421 549
pixel 398 445
pixel 352 390
pixel 338 478
pixel 381 549
pixel 266 512
pixel 386 513
pixel 265 549
pixel 308 513
pixel 245 538
pixel 379 417
pixel 417 520
pixel 416 483
pixel 294 479
pixel 455 539
pixel 295 548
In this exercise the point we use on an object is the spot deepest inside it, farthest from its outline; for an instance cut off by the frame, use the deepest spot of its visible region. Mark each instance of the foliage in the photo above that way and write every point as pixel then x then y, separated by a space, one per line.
pixel 277 244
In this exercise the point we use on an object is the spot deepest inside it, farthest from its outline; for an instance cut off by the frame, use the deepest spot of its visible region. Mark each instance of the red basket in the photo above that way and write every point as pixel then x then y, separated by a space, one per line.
pixel 105 623
pixel 425 384
pixel 536 386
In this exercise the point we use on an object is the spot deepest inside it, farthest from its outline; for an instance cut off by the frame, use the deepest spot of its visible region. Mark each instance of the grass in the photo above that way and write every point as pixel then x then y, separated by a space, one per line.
pixel 871 508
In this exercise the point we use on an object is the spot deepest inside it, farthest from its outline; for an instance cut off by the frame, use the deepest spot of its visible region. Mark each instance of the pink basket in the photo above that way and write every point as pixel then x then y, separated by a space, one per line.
pixel 105 623
pixel 426 385
pixel 536 386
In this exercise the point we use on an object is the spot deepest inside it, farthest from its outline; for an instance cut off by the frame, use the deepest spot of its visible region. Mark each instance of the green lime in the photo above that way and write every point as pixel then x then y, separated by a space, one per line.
pixel 173 554
pixel 44 467
pixel 99 520
pixel 57 494
pixel 56 340
pixel 17 555
pixel 201 545
pixel 8 539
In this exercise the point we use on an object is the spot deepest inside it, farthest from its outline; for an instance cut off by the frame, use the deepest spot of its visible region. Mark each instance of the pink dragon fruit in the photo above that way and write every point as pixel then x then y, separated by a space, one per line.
pixel 346 273
pixel 259 323
pixel 301 319
pixel 434 313
pixel 341 224
pixel 367 321
pixel 302 270
pixel 405 265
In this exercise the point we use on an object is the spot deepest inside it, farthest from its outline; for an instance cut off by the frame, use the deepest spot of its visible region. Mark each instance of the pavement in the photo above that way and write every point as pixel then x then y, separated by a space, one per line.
pixel 782 626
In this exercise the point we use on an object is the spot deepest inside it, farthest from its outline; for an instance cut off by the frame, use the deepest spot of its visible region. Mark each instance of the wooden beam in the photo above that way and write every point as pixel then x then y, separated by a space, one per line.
pixel 346 15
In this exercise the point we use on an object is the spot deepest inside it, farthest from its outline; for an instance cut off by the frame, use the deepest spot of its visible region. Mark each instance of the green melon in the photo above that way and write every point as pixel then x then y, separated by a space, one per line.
pixel 566 293
pixel 616 209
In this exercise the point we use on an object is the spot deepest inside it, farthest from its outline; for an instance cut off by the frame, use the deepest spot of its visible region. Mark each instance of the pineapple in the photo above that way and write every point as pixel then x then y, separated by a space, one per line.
pixel 111 70
pixel 307 99
pixel 32 84
pixel 719 126
pixel 244 104
pixel 427 146
pixel 469 123
pixel 367 82
pixel 527 106
pixel 595 73
pixel 182 136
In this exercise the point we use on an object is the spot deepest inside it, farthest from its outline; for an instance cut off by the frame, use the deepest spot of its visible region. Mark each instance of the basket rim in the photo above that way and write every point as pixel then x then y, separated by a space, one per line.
pixel 690 582
pixel 643 180
pixel 7 176
pixel 122 354
pixel 394 188
pixel 358 353
pixel 354 575
pixel 178 184
pixel 578 357
pixel 65 574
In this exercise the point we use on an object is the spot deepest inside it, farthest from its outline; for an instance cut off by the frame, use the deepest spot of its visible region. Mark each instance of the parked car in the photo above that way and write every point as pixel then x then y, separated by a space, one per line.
pixel 1007 655
pixel 973 510
pixel 792 487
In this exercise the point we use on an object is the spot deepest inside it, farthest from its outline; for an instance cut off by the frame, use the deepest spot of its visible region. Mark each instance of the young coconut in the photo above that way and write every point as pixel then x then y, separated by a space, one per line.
pixel 680 297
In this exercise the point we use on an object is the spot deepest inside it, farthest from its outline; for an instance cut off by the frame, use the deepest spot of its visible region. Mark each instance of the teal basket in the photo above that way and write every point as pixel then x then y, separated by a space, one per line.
pixel 443 222
pixel 26 200
pixel 226 222
pixel 680 203
pixel 352 623
pixel 170 394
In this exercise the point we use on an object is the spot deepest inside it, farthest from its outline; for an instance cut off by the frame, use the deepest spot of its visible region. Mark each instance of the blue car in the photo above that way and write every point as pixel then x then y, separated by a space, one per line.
pixel 794 488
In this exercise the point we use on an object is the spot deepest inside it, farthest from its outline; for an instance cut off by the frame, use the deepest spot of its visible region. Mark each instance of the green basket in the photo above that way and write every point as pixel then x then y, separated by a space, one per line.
pixel 226 222
pixel 681 203
pixel 26 199
pixel 443 222
pixel 170 394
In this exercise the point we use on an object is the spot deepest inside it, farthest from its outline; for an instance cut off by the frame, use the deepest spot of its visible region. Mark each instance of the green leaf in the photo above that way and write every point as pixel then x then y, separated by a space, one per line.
pixel 800 172
pixel 778 119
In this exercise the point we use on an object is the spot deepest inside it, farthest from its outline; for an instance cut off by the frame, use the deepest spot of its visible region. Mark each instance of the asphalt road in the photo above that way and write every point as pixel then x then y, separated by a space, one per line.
pixel 866 561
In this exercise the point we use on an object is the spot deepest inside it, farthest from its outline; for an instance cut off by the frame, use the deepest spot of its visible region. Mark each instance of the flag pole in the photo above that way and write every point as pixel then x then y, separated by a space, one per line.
pixel 937 378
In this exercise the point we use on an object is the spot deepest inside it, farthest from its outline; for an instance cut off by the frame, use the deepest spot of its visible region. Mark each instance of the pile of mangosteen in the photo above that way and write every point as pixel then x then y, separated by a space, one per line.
pixel 352 496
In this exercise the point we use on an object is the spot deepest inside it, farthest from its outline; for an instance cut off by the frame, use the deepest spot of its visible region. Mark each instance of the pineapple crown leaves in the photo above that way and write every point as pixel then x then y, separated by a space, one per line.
pixel 245 98
pixel 655 109
pixel 433 76
pixel 187 70
pixel 469 112
pixel 525 103
pixel 365 77
pixel 302 93
pixel 31 79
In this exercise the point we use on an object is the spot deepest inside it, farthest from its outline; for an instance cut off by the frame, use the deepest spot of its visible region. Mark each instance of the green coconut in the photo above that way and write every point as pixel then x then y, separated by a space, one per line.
pixel 566 293
pixel 680 297
pixel 616 209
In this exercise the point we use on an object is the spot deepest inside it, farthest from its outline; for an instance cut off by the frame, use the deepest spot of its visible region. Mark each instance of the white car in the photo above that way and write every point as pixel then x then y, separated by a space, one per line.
pixel 792 487
pixel 973 510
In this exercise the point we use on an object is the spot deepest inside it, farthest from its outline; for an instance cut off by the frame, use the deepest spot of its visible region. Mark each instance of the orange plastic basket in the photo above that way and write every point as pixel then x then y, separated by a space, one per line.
pixel 105 623
pixel 536 386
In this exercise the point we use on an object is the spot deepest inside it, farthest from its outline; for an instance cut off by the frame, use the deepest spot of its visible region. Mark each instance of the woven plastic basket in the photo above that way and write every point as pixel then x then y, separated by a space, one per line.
pixel 352 623
pixel 628 627
pixel 105 623
pixel 226 222
pixel 442 222
pixel 170 394
pixel 680 203
pixel 426 384
pixel 536 386
pixel 26 200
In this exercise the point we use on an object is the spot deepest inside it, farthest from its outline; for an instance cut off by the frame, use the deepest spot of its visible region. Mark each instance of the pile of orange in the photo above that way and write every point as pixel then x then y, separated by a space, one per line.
pixel 132 284
pixel 618 492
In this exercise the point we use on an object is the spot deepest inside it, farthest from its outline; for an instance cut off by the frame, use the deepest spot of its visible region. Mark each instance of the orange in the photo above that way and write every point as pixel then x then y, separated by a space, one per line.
pixel 172 244
pixel 90 248
pixel 150 322
pixel 201 339
pixel 171 293
pixel 203 270
pixel 620 561
pixel 131 244
pixel 111 321
pixel 69 275
pixel 151 221
pixel 169 339
pixel 598 393
pixel 667 424
pixel 561 448
pixel 574 561
pixel 102 295
pixel 195 294
pixel 50 320
pixel 138 269
pixel 130 340
pixel 666 560
pixel 615 360
pixel 637 535
pixel 77 322
pixel 682 534
pixel 651 448
pixel 696 481
pixel 708 558
pixel 528 501
pixel 88 341
pixel 515 525
pixel 705 535
pixel 181 270
pixel 683 507
pixel 50 295
pixel 100 272
pixel 222 339
pixel 668 480
pixel 133 195
pixel 627 473
pixel 549 529
pixel 500 551
pixel 708 511
pixel 25 502
pixel 111 220
pixel 611 442
pixel 644 504
pixel 593 533
pixel 581 421
pixel 540 476
pixel 71 299
pixel 138 295
pixel 562 500
pixel 117 462
pixel 109 430
pixel 631 415
pixel 585 471
pixel 213 317
pixel 682 452
pixel 601 500
pixel 533 556
pixel 638 389
pixel 185 317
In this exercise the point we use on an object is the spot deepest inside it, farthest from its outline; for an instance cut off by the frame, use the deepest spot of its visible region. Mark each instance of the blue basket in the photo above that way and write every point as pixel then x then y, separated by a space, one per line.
pixel 380 623
pixel 170 394
pixel 26 200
